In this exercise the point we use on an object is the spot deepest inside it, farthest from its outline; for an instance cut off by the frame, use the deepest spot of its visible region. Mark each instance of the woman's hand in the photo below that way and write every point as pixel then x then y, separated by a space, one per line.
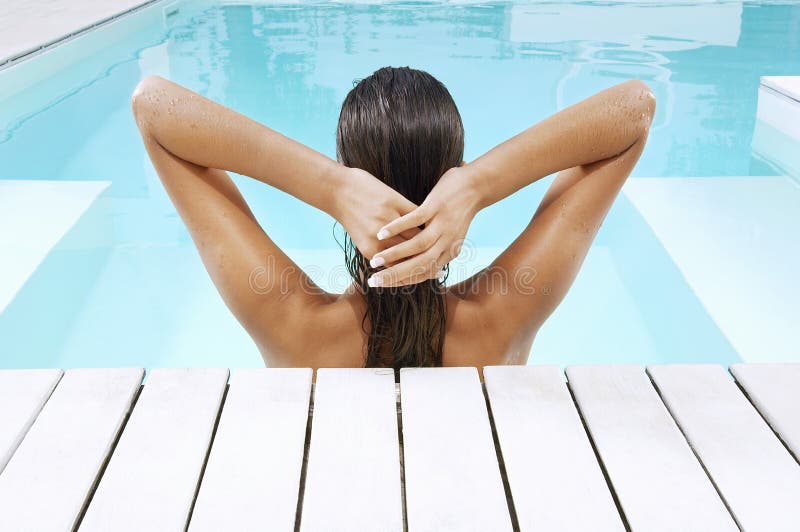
pixel 446 214
pixel 364 205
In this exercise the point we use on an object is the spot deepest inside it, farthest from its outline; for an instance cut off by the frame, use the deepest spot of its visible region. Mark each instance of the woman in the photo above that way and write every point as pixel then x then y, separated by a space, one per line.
pixel 405 197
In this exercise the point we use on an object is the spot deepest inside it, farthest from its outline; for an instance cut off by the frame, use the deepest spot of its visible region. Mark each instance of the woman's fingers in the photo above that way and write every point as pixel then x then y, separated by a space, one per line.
pixel 438 275
pixel 415 218
pixel 408 248
pixel 453 250
pixel 369 246
pixel 411 233
pixel 414 270
pixel 389 243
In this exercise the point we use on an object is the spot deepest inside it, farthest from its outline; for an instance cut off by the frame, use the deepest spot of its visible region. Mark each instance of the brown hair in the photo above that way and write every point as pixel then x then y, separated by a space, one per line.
pixel 402 126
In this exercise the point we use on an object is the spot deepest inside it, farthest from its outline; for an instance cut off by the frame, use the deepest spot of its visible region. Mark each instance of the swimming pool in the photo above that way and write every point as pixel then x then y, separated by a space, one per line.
pixel 124 285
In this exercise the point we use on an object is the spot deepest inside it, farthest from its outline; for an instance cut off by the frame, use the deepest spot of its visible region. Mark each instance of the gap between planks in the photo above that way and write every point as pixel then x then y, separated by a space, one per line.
pixel 398 403
pixel 304 467
pixel 307 445
pixel 597 457
pixel 512 511
pixel 399 413
pixel 694 451
pixel 208 454
pixel 760 413
pixel 107 459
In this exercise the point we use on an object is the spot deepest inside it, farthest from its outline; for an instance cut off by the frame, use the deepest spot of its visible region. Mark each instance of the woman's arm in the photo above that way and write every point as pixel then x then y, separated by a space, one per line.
pixel 191 142
pixel 210 135
pixel 207 134
pixel 598 141
pixel 598 129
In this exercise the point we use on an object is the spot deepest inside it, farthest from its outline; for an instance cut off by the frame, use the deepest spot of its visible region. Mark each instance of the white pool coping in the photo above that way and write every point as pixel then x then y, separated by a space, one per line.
pixel 733 239
pixel 788 86
pixel 34 217
pixel 779 104
pixel 27 26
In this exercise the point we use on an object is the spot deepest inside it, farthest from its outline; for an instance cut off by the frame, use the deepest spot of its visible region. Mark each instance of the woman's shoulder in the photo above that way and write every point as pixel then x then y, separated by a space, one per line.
pixel 475 335
pixel 329 334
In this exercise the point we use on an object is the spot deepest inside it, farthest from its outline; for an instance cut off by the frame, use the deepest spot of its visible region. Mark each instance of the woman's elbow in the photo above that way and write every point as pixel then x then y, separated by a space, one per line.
pixel 642 103
pixel 145 100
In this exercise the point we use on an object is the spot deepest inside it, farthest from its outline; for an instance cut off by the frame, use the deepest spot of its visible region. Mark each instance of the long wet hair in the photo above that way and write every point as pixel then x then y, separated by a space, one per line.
pixel 402 126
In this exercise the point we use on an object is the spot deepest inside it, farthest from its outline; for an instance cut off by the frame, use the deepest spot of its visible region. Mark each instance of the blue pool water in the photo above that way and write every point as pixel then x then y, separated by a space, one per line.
pixel 126 287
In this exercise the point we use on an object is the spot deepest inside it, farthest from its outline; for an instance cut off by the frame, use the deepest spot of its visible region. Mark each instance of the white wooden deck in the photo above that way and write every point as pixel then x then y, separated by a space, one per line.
pixel 673 447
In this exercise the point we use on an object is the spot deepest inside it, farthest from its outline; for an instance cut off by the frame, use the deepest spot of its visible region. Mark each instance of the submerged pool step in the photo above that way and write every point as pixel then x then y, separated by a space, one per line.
pixel 731 239
pixel 34 217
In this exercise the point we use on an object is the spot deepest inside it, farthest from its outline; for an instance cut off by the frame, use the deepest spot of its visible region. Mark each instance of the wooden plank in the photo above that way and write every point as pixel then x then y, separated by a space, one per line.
pixel 45 484
pixel 453 480
pixel 555 480
pixel 774 389
pixel 252 478
pixel 23 393
pixel 657 479
pixel 353 475
pixel 152 477
pixel 756 475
